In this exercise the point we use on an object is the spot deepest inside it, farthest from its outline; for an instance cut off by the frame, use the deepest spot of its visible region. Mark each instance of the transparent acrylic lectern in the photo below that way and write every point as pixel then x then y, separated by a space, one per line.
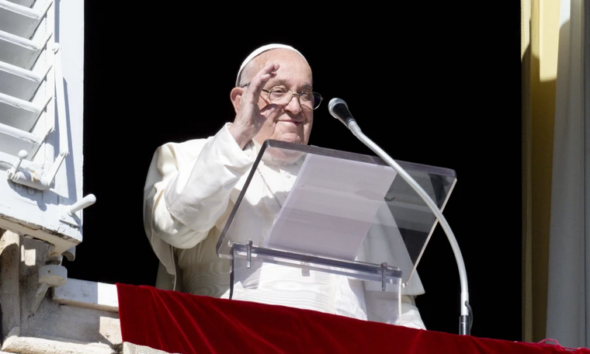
pixel 334 212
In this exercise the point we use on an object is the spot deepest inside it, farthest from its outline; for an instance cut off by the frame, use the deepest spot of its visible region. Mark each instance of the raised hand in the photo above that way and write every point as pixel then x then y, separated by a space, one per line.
pixel 248 118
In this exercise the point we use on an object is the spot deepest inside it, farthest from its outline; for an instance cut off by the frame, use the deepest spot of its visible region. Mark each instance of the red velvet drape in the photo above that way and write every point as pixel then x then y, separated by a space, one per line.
pixel 183 323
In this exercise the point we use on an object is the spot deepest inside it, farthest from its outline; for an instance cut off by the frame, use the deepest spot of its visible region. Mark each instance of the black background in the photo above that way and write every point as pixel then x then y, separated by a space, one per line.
pixel 430 82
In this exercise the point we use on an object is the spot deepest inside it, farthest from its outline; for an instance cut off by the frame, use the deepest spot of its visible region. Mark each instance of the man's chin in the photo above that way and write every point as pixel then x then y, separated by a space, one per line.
pixel 284 154
pixel 293 138
pixel 290 138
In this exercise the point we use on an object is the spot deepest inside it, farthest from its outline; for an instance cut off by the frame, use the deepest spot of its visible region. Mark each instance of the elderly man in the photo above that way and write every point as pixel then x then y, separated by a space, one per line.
pixel 192 186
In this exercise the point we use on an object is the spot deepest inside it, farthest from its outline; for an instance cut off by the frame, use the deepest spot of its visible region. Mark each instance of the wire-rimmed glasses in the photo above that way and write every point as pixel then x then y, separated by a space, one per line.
pixel 280 95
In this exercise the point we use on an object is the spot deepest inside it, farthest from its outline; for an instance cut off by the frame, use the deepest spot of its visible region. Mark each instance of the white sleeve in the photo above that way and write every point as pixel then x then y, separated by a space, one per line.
pixel 189 185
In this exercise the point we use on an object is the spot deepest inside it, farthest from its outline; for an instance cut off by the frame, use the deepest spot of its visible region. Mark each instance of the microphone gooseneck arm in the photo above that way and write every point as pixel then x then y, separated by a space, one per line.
pixel 339 110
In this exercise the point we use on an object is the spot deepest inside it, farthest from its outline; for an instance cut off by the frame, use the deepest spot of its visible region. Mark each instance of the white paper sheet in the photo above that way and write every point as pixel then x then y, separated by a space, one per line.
pixel 331 207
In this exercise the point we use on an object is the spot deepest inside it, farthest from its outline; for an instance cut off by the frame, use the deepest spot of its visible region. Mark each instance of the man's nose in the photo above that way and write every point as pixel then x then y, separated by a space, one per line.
pixel 294 106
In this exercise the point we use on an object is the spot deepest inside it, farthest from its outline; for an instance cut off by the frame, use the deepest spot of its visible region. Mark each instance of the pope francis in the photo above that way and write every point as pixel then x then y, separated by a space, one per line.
pixel 192 186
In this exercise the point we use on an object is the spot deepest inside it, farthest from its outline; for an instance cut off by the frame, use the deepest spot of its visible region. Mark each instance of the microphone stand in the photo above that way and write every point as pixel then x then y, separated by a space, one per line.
pixel 465 321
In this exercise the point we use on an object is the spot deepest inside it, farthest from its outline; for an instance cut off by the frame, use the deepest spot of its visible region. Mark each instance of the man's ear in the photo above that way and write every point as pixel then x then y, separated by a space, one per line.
pixel 236 96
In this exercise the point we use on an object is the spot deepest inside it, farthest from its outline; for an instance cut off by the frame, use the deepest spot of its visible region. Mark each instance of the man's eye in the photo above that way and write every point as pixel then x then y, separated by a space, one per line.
pixel 278 91
pixel 306 96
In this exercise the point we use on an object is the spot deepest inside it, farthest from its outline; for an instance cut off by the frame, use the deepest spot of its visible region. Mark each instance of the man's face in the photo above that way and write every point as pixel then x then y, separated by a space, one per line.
pixel 292 121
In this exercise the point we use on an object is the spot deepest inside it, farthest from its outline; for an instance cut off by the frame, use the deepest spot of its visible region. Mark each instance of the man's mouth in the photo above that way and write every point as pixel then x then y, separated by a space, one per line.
pixel 291 121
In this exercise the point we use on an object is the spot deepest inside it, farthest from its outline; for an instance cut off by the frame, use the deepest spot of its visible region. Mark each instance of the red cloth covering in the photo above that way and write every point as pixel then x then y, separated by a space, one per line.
pixel 182 323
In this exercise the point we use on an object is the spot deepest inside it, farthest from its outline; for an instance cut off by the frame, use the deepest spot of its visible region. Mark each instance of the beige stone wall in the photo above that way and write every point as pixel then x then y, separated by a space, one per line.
pixel 76 328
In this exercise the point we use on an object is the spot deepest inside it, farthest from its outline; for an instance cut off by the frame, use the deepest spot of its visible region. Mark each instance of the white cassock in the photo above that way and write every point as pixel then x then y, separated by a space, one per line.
pixel 189 193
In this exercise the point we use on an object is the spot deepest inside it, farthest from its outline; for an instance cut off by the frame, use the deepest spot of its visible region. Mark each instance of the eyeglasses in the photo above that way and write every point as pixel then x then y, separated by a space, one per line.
pixel 281 96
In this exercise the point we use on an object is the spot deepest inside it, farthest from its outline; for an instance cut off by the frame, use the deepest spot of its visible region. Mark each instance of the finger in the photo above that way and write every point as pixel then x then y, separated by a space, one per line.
pixel 258 81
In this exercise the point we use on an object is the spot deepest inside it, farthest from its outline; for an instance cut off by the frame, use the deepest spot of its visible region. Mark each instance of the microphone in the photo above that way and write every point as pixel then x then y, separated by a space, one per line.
pixel 339 110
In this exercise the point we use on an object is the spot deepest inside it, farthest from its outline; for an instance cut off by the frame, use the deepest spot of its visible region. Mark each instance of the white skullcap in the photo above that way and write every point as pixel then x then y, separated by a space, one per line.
pixel 262 49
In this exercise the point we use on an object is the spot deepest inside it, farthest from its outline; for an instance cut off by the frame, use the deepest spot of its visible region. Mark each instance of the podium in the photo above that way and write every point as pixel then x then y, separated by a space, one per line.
pixel 341 213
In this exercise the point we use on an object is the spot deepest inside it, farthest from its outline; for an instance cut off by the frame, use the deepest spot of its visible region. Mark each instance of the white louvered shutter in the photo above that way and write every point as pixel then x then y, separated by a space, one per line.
pixel 41 119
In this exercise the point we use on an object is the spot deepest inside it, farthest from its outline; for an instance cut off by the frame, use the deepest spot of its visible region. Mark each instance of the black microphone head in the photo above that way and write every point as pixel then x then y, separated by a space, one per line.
pixel 339 110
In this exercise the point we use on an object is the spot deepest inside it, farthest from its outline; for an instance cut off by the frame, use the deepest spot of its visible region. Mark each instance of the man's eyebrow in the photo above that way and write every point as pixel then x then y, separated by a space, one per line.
pixel 283 82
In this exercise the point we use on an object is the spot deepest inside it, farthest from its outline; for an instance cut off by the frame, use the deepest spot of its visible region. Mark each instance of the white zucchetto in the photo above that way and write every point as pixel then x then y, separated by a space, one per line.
pixel 260 50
